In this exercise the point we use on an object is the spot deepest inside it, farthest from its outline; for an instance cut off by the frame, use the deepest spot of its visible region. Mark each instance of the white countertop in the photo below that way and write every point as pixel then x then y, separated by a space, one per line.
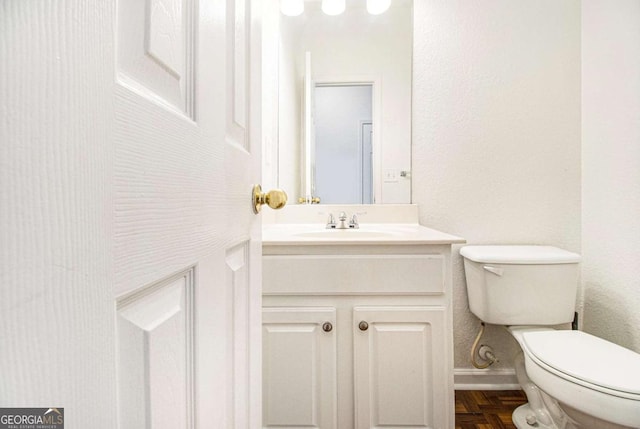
pixel 300 234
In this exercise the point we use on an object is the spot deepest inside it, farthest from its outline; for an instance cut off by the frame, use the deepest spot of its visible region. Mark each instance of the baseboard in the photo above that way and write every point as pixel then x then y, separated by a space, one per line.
pixel 485 379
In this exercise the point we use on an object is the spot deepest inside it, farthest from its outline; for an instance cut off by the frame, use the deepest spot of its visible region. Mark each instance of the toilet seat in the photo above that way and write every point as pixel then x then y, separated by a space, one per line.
pixel 585 374
pixel 586 360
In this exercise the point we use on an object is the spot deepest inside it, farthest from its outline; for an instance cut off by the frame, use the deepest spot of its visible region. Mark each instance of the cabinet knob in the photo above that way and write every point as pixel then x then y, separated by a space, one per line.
pixel 363 326
pixel 327 327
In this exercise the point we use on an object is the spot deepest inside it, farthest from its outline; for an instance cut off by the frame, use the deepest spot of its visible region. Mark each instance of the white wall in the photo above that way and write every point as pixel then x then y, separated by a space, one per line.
pixel 496 131
pixel 611 169
pixel 358 45
pixel 270 48
pixel 288 118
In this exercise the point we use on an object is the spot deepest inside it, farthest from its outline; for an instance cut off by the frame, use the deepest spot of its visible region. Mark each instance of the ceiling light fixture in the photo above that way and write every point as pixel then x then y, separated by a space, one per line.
pixel 291 7
pixel 333 7
pixel 376 7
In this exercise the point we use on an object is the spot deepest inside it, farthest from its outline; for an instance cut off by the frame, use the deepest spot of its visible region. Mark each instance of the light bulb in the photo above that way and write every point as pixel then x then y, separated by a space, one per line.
pixel 376 7
pixel 291 7
pixel 333 7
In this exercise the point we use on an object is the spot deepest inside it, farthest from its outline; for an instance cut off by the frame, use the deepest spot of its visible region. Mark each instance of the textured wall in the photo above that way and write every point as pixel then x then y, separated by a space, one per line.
pixel 611 169
pixel 496 131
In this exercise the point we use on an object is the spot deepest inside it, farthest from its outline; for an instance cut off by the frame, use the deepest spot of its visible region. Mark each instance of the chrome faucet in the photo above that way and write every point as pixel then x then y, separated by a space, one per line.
pixel 342 222
pixel 353 224
pixel 331 222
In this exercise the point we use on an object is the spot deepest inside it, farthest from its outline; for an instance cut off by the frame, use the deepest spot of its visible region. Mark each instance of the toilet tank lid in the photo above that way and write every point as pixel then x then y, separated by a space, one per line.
pixel 519 254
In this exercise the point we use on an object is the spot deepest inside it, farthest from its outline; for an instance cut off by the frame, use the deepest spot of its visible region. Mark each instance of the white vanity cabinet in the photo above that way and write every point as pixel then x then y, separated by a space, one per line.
pixel 387 360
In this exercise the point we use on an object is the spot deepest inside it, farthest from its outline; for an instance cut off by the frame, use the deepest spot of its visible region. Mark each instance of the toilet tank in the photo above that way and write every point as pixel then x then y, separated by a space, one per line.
pixel 521 285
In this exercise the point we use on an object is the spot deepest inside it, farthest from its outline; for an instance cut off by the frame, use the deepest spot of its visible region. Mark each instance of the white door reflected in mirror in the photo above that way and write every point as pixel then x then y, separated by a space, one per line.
pixel 343 152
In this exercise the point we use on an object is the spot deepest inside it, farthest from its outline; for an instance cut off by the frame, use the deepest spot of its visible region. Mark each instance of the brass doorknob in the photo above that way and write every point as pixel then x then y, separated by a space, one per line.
pixel 363 326
pixel 276 198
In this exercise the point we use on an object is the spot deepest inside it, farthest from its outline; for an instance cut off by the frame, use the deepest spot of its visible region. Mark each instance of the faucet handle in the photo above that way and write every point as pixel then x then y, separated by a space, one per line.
pixel 354 222
pixel 331 222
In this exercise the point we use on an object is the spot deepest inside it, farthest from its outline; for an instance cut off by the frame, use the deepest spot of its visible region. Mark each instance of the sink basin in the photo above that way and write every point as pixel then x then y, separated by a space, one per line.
pixel 343 233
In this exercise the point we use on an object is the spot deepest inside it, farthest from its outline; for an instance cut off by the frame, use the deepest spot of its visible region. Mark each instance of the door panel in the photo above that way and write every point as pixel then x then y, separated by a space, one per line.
pixel 299 368
pixel 399 367
pixel 237 283
pixel 238 51
pixel 156 355
pixel 156 55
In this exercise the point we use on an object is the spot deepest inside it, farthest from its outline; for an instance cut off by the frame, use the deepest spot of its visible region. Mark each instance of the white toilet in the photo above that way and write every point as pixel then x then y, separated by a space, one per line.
pixel 571 379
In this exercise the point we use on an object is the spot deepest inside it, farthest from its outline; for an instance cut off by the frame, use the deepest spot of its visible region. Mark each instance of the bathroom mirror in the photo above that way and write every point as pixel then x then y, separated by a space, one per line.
pixel 339 126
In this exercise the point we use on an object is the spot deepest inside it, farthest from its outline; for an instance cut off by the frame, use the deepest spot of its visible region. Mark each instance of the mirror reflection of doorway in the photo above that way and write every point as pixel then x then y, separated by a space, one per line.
pixel 343 143
pixel 366 142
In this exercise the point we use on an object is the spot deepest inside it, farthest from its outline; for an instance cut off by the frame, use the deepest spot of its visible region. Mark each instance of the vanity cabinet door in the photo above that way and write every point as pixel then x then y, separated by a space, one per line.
pixel 400 368
pixel 299 367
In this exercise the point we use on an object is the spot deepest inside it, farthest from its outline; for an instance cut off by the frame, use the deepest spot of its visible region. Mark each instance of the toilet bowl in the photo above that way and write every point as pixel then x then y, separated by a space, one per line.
pixel 595 382
pixel 572 379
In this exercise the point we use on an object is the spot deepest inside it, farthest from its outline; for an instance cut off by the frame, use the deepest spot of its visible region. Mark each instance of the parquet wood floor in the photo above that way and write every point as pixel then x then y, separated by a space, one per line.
pixel 487 409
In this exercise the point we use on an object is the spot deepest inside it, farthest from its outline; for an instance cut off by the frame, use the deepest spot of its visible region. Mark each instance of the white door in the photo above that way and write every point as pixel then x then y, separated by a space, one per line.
pixel 299 367
pixel 399 368
pixel 339 112
pixel 366 138
pixel 130 139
